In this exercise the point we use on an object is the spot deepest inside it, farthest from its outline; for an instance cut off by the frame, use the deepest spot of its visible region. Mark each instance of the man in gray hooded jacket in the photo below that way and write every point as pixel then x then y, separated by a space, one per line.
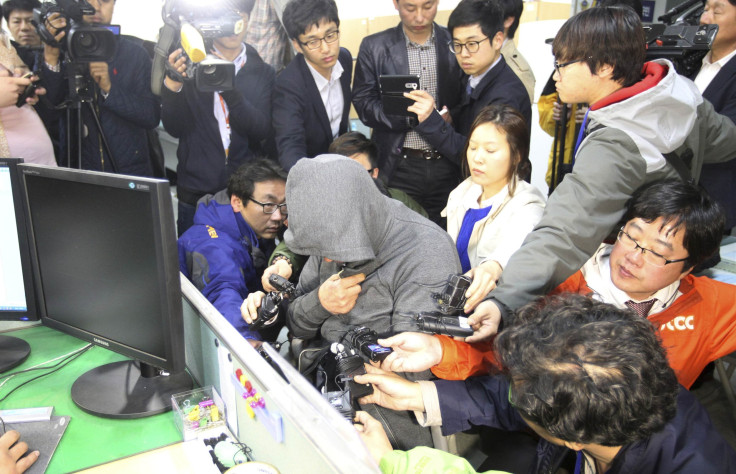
pixel 373 262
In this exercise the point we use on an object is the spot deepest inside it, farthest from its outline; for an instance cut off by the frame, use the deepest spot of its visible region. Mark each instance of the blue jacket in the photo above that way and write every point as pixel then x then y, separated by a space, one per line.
pixel 385 53
pixel 189 116
pixel 500 86
pixel 300 122
pixel 687 444
pixel 215 254
pixel 126 114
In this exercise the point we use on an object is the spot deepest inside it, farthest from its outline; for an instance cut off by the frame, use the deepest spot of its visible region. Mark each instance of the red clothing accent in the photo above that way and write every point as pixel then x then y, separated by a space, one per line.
pixel 652 73
pixel 696 329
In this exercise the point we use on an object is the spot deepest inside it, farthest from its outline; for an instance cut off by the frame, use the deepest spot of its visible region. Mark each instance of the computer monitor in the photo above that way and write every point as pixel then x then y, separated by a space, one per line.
pixel 105 265
pixel 17 298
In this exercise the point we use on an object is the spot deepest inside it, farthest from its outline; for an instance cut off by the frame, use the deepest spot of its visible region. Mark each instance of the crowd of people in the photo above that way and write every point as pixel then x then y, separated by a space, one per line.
pixel 588 323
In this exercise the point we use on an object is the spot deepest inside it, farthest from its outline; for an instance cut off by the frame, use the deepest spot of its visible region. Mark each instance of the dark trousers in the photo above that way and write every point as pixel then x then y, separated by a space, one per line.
pixel 184 217
pixel 429 182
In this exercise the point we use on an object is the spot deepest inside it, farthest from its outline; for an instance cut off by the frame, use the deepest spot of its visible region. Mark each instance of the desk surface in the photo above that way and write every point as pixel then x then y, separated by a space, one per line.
pixel 89 440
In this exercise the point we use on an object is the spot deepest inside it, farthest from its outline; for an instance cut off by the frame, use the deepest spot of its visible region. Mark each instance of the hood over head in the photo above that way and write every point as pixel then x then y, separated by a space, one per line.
pixel 335 210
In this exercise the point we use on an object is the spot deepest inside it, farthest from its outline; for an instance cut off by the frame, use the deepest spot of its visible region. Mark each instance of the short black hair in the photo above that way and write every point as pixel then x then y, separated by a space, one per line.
pixel 685 207
pixel 243 181
pixel 512 8
pixel 243 6
pixel 301 15
pixel 604 35
pixel 633 4
pixel 9 6
pixel 350 143
pixel 587 372
pixel 485 13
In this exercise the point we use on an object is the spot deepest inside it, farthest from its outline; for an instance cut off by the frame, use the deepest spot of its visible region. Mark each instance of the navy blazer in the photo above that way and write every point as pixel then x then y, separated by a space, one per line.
pixel 500 86
pixel 718 178
pixel 300 122
pixel 385 53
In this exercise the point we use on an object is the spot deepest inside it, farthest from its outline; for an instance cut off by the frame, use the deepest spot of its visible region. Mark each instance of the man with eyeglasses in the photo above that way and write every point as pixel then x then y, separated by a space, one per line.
pixel 645 123
pixel 224 253
pixel 217 131
pixel 477 36
pixel 311 97
pixel 670 227
pixel 417 46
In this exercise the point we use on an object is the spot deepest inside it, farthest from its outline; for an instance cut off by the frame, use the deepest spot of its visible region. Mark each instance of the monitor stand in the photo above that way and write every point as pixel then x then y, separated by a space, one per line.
pixel 123 390
pixel 13 352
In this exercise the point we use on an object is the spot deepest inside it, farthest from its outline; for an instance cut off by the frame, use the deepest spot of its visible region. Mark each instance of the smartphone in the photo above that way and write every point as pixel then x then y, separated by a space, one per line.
pixel 393 88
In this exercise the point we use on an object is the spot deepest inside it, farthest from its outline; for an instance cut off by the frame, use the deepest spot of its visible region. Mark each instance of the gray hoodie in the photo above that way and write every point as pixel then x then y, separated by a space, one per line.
pixel 336 212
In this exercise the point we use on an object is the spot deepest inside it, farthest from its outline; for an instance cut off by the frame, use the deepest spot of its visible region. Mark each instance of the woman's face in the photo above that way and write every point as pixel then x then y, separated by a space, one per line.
pixel 489 157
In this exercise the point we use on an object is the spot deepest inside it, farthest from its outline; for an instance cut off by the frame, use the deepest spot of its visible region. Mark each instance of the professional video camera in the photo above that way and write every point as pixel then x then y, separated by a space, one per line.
pixel 271 307
pixel 680 38
pixel 82 43
pixel 342 391
pixel 450 319
pixel 193 25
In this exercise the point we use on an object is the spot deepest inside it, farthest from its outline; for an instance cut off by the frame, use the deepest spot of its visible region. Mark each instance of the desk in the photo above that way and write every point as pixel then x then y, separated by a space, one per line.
pixel 89 440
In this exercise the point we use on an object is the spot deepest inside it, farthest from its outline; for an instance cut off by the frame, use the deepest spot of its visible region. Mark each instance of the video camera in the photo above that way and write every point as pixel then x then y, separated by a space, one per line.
pixel 193 25
pixel 348 364
pixel 270 309
pixel 450 319
pixel 82 43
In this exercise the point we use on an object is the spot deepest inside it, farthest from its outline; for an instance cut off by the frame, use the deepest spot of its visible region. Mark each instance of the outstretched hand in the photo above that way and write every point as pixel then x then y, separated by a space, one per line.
pixel 390 390
pixel 485 321
pixel 373 435
pixel 412 352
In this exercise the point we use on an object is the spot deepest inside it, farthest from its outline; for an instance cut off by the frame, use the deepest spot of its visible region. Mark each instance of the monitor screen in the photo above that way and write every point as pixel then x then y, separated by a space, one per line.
pixel 105 263
pixel 16 284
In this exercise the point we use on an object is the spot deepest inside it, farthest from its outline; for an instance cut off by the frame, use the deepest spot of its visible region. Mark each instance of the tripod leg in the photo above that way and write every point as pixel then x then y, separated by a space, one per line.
pixel 105 143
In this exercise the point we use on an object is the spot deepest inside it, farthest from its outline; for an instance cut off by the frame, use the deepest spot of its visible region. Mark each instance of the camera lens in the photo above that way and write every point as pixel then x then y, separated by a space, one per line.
pixel 87 41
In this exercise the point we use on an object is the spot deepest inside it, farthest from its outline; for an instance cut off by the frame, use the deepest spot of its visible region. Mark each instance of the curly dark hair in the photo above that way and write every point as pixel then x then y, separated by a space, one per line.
pixel 588 372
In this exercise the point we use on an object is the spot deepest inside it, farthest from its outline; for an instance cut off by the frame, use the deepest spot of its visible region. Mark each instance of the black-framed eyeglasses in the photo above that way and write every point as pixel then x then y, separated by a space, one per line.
pixel 270 207
pixel 649 256
pixel 329 38
pixel 558 66
pixel 472 46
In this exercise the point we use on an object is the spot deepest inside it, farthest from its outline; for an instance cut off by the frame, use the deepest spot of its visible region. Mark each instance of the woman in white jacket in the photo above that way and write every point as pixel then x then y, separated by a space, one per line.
pixel 491 212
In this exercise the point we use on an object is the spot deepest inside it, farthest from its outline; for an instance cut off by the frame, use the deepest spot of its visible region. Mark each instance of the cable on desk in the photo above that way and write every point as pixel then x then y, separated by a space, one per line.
pixel 56 367
pixel 38 366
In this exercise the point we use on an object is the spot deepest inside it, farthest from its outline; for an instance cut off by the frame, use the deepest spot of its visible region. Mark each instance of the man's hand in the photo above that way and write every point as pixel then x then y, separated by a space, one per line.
pixel 101 74
pixel 179 62
pixel 249 308
pixel 484 278
pixel 391 391
pixel 580 113
pixel 55 24
pixel 373 435
pixel 485 321
pixel 338 295
pixel 423 104
pixel 280 268
pixel 413 352
pixel 10 457
pixel 11 87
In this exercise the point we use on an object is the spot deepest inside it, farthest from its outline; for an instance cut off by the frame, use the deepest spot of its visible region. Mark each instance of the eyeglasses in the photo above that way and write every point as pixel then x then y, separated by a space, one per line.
pixel 370 171
pixel 471 46
pixel 649 256
pixel 270 207
pixel 329 38
pixel 558 66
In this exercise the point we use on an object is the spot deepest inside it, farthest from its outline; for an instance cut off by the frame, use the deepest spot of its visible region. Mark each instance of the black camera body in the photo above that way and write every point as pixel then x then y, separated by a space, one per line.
pixel 350 364
pixel 270 309
pixel 450 319
pixel 684 45
pixel 365 341
pixel 82 43
pixel 212 74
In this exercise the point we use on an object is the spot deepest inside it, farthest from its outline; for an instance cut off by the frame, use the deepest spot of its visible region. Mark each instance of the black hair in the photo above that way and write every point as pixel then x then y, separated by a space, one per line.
pixel 485 13
pixel 300 15
pixel 243 6
pixel 604 35
pixel 9 6
pixel 350 143
pixel 514 127
pixel 243 181
pixel 685 207
pixel 512 8
pixel 587 372
pixel 633 4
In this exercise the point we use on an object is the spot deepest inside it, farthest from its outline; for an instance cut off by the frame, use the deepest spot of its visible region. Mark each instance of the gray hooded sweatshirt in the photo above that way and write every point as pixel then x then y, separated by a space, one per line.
pixel 336 212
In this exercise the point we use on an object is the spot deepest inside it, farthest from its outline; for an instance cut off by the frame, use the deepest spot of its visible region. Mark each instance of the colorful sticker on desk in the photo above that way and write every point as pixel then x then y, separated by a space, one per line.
pixel 255 406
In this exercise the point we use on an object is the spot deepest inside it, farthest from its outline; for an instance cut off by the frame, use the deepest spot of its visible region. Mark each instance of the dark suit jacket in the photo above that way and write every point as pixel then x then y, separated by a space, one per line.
pixel 719 178
pixel 500 86
pixel 300 122
pixel 385 53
